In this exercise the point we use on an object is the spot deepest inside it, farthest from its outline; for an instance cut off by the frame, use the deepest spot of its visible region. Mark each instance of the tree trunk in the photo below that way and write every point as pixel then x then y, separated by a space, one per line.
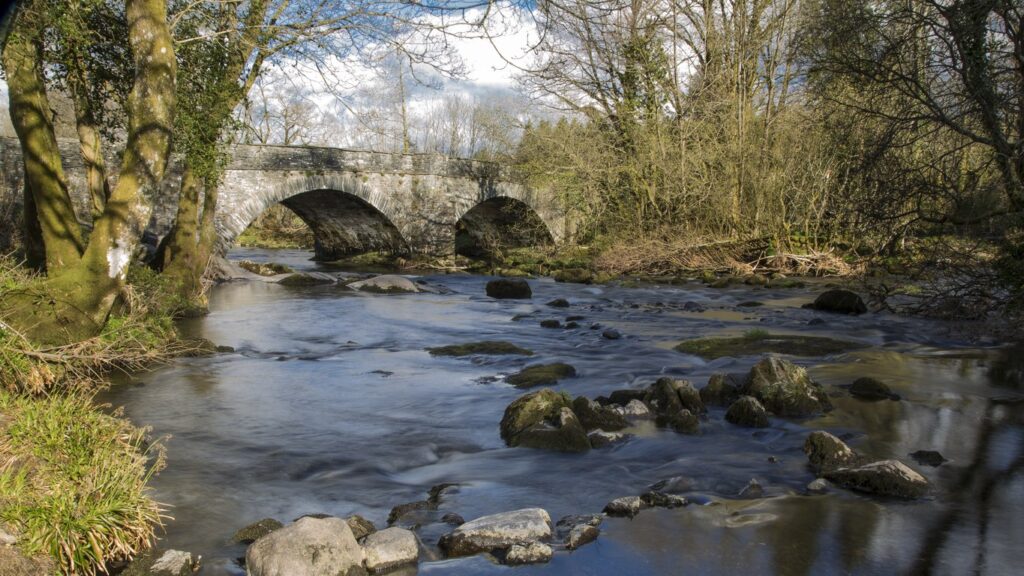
pixel 80 297
pixel 31 116
pixel 90 145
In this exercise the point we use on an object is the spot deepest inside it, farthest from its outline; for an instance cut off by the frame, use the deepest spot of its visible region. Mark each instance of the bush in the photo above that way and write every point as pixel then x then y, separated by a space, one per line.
pixel 73 481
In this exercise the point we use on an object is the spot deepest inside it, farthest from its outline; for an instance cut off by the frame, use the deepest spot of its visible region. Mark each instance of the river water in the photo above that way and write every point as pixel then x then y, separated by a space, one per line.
pixel 330 404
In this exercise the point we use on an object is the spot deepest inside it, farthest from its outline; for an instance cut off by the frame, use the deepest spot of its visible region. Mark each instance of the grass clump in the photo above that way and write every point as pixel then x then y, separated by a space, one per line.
pixel 492 347
pixel 73 481
pixel 755 342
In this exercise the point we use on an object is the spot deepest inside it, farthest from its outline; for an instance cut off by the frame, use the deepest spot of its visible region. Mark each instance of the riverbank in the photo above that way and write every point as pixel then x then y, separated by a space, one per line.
pixel 73 475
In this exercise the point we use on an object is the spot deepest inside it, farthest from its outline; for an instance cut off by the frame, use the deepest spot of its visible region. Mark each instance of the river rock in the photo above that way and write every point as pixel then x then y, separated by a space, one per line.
pixel 531 409
pixel 386 284
pixel 550 324
pixel 687 396
pixel 255 531
pixel 541 375
pixel 883 478
pixel 581 535
pixel 559 303
pixel 485 347
pixel 928 458
pixel 594 416
pixel 722 390
pixel 871 389
pixel 389 549
pixel 497 532
pixel 683 422
pixel 162 563
pixel 402 510
pixel 826 452
pixel 634 409
pixel 307 279
pixel 817 486
pixel 565 434
pixel 453 519
pixel 752 490
pixel 286 552
pixel 656 499
pixel 611 334
pixel 529 553
pixel 748 412
pixel 785 389
pixel 361 527
pixel 509 288
pixel 627 506
pixel 839 301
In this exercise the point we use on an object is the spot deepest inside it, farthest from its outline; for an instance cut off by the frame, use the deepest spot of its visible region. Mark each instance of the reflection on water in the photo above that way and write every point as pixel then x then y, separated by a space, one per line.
pixel 330 404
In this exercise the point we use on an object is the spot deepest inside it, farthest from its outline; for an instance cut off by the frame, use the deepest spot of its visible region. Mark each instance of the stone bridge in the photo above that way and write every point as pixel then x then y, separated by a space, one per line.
pixel 353 201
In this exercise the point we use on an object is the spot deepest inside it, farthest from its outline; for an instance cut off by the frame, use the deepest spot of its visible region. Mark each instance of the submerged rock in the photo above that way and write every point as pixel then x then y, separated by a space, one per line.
pixel 541 375
pixel 390 548
pixel 256 530
pixel 871 389
pixel 307 279
pixel 386 284
pixel 594 416
pixel 485 347
pixel 286 552
pixel 761 342
pixel 826 452
pixel 839 301
pixel 785 389
pixel 683 422
pixel 497 532
pixel 529 553
pixel 883 478
pixel 453 519
pixel 559 303
pixel 611 334
pixel 509 288
pixel 403 510
pixel 722 390
pixel 752 490
pixel 550 324
pixel 748 412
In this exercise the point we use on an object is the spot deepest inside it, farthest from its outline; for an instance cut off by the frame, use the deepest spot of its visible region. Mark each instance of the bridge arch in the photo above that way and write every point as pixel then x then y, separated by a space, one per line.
pixel 346 215
pixel 500 222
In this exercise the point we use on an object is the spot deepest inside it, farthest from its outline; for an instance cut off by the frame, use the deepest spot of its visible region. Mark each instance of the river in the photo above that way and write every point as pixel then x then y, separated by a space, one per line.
pixel 330 404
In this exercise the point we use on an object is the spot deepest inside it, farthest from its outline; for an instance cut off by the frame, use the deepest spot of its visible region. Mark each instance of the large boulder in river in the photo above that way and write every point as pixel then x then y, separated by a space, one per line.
pixel 545 420
pixel 785 389
pixel 386 284
pixel 289 550
pixel 748 412
pixel 509 288
pixel 839 301
pixel 884 478
pixel 497 532
pixel 826 452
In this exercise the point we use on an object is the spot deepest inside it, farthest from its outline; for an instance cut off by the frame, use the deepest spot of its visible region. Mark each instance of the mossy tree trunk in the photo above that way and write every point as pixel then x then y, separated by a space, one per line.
pixel 89 142
pixel 78 298
pixel 191 243
pixel 32 119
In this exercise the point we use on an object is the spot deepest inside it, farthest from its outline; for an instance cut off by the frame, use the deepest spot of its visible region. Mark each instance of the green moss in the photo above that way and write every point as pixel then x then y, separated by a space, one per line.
pixel 489 347
pixel 761 342
pixel 541 375
pixel 73 481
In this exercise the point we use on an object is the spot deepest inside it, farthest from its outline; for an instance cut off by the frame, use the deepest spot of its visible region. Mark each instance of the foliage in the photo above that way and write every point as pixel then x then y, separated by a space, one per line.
pixel 73 481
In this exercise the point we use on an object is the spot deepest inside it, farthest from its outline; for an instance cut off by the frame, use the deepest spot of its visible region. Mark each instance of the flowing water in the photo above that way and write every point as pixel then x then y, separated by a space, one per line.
pixel 330 404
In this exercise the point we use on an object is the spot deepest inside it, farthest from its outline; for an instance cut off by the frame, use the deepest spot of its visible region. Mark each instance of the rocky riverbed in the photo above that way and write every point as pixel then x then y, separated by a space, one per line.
pixel 682 430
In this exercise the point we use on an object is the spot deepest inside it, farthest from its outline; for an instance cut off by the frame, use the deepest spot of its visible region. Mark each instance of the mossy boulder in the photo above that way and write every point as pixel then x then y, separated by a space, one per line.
pixel 683 422
pixel 594 416
pixel 541 375
pixel 256 530
pixel 668 396
pixel 827 452
pixel 747 412
pixel 544 420
pixel 840 302
pixel 485 347
pixel 386 284
pixel 307 279
pixel 872 389
pixel 722 390
pixel 509 288
pixel 785 389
